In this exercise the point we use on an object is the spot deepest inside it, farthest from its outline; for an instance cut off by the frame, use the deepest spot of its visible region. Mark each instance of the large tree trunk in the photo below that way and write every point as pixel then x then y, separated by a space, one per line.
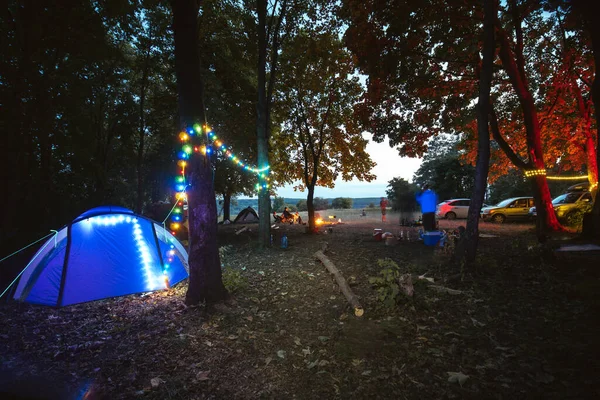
pixel 483 133
pixel 205 282
pixel 310 205
pixel 514 65
pixel 594 28
pixel 262 130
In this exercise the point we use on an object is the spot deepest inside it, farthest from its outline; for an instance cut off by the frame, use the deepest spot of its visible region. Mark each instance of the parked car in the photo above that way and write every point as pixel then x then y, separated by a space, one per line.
pixel 454 208
pixel 516 208
pixel 569 206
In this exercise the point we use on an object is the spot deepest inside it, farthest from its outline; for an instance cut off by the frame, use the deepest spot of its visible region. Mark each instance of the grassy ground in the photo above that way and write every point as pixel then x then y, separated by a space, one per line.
pixel 522 325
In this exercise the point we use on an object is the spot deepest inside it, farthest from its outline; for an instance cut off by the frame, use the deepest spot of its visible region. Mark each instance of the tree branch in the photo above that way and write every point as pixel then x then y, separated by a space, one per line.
pixel 512 156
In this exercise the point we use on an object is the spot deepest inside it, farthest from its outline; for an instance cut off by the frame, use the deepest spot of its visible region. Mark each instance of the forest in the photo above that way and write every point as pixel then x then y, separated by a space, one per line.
pixel 114 109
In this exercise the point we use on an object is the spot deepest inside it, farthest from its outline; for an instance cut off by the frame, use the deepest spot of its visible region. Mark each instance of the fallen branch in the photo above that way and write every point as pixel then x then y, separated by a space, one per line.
pixel 241 230
pixel 444 289
pixel 350 296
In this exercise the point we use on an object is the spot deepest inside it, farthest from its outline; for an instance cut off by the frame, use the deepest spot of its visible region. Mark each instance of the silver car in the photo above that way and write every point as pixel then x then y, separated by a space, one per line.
pixel 454 208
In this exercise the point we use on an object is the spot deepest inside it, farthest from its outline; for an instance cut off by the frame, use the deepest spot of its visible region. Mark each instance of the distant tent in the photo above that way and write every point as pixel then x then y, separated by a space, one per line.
pixel 105 252
pixel 245 216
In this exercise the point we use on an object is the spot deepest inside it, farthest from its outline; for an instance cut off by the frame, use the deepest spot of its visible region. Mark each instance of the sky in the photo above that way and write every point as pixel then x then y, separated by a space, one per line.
pixel 389 165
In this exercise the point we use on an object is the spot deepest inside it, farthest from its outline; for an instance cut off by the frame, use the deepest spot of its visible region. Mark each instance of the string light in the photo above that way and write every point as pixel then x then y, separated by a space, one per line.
pixel 567 178
pixel 534 172
pixel 223 147
pixel 538 172
pixel 146 257
pixel 188 149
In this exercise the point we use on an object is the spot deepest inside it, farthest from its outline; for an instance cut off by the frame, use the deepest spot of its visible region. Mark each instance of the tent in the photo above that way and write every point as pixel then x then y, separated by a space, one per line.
pixel 105 252
pixel 246 215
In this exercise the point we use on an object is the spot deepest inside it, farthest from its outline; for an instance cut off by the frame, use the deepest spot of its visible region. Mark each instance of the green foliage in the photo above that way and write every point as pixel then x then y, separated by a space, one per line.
pixel 302 205
pixel 291 208
pixel 341 203
pixel 278 203
pixel 444 171
pixel 83 119
pixel 233 280
pixel 402 195
pixel 371 205
pixel 320 138
pixel 574 218
pixel 386 284
pixel 510 185
pixel 228 55
pixel 320 203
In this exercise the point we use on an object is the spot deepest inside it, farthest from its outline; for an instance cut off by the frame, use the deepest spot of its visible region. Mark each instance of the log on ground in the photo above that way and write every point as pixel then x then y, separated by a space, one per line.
pixel 350 296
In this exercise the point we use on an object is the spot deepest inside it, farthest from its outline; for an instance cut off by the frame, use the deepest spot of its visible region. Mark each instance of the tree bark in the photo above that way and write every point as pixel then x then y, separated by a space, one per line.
pixel 513 64
pixel 594 28
pixel 262 130
pixel 483 134
pixel 205 282
pixel 142 134
pixel 310 206
pixel 227 207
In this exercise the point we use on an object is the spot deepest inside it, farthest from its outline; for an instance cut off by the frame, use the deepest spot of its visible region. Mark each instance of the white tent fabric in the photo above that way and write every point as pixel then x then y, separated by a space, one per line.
pixel 105 252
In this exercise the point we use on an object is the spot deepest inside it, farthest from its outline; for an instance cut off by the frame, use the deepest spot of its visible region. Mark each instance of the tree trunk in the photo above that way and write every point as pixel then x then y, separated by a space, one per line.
pixel 262 130
pixel 592 158
pixel 205 282
pixel 227 207
pixel 594 28
pixel 483 134
pixel 310 205
pixel 513 65
pixel 142 135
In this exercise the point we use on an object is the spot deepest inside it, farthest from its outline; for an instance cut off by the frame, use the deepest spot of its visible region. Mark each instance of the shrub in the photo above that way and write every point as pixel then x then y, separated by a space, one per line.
pixel 387 284
pixel 341 203
pixel 234 280
pixel 302 206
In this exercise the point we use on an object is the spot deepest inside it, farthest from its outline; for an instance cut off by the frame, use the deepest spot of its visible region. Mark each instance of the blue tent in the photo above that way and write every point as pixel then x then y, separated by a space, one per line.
pixel 105 252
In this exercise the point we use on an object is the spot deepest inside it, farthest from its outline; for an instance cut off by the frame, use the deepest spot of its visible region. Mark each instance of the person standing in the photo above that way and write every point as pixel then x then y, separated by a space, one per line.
pixel 428 201
pixel 383 205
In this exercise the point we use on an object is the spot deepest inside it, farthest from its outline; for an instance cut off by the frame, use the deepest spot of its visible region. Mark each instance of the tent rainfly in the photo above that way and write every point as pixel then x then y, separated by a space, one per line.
pixel 105 252
pixel 246 215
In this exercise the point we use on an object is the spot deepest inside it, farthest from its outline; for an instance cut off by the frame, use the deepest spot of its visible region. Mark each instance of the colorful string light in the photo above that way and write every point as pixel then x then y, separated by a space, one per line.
pixel 188 148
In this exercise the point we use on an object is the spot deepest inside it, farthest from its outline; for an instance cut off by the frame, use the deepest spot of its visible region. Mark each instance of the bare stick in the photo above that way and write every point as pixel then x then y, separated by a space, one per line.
pixel 241 230
pixel 350 296
pixel 444 289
